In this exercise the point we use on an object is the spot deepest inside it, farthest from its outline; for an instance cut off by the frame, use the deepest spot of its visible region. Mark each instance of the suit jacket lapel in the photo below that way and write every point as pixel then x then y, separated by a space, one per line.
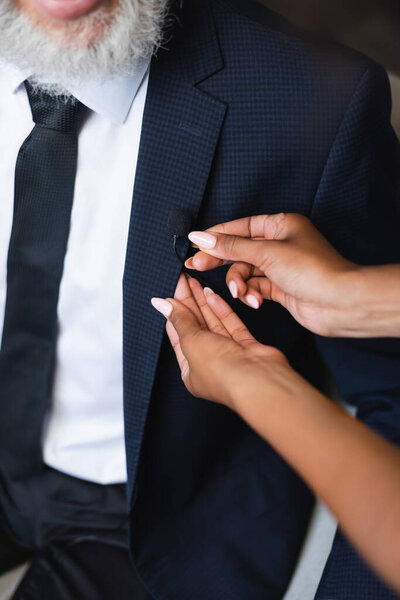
pixel 180 130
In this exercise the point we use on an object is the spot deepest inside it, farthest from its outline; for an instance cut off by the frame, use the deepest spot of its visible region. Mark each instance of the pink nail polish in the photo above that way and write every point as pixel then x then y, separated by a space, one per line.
pixel 233 288
pixel 252 301
pixel 163 306
pixel 208 291
pixel 189 263
pixel 202 239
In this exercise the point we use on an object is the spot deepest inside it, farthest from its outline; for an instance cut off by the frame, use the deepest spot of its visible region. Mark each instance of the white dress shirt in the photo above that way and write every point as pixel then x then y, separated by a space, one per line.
pixel 84 430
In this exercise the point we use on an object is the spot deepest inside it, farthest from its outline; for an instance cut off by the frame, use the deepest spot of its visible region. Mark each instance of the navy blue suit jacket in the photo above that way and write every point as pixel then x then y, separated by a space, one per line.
pixel 244 115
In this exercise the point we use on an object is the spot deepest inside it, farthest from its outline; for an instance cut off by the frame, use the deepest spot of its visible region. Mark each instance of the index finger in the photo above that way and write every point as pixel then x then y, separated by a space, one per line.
pixel 184 294
pixel 258 226
pixel 204 262
pixel 277 226
pixel 233 247
pixel 232 323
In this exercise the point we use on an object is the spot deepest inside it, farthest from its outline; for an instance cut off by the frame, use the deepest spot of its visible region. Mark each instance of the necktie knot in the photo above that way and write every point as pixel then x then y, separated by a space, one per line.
pixel 65 115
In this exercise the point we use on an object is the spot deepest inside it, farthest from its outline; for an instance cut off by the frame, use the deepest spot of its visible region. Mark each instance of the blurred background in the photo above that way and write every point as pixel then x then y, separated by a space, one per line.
pixel 371 26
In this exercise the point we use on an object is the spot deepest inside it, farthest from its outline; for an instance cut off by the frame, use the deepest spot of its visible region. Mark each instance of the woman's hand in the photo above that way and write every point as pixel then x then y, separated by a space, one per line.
pixel 217 355
pixel 221 361
pixel 282 258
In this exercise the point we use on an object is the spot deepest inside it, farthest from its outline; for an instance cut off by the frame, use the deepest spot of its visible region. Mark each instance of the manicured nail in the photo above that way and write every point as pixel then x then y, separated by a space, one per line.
pixel 252 301
pixel 233 288
pixel 163 306
pixel 208 291
pixel 189 263
pixel 202 239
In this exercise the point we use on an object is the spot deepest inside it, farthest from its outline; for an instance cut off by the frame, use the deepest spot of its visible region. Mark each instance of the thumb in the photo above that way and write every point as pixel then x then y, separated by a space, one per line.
pixel 233 248
pixel 185 322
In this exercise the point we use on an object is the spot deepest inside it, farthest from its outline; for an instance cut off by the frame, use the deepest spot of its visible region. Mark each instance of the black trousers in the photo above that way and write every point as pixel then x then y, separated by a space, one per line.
pixel 84 557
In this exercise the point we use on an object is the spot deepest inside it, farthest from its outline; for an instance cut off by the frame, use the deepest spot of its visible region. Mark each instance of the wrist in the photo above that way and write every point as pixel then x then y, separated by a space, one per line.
pixel 379 297
pixel 349 311
pixel 372 302
pixel 264 382
pixel 281 406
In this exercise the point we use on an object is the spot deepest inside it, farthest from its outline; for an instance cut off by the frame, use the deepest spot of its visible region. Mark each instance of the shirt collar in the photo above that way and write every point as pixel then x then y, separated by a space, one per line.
pixel 112 98
pixel 13 77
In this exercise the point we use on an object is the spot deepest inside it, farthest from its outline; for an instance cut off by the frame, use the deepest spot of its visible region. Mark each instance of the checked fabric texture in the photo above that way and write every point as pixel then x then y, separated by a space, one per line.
pixel 44 188
pixel 246 115
pixel 348 577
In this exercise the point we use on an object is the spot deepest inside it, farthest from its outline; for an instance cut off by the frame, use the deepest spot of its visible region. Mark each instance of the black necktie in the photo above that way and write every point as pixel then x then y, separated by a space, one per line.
pixel 44 189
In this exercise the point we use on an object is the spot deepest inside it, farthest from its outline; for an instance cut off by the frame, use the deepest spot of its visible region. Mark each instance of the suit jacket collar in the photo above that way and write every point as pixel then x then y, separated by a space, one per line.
pixel 180 131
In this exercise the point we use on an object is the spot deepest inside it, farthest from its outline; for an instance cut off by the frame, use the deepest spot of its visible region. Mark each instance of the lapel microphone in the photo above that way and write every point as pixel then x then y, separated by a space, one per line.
pixel 179 226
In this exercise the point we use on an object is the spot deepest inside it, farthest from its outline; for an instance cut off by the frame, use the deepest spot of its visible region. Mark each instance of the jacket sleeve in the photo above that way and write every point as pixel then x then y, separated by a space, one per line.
pixel 357 208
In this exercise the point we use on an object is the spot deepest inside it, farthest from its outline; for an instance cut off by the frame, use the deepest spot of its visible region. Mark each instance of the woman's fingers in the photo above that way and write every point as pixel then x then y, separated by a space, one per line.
pixel 183 294
pixel 237 277
pixel 237 280
pixel 186 324
pixel 204 262
pixel 176 345
pixel 190 321
pixel 220 246
pixel 269 227
pixel 255 240
pixel 232 248
pixel 250 227
pixel 266 289
pixel 232 323
pixel 212 321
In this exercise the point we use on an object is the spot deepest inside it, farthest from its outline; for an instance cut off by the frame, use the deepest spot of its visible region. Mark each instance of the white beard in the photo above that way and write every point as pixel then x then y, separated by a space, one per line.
pixel 131 31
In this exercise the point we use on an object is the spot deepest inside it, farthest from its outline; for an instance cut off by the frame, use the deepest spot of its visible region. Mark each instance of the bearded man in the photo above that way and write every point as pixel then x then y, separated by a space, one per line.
pixel 114 481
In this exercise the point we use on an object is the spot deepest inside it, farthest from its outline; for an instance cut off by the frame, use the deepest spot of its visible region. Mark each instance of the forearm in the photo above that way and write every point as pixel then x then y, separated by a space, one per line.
pixel 355 472
pixel 371 302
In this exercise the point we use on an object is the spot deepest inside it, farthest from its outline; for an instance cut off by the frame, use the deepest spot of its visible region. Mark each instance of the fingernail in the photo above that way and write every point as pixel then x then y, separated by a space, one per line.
pixel 202 239
pixel 189 263
pixel 208 291
pixel 233 288
pixel 163 306
pixel 252 301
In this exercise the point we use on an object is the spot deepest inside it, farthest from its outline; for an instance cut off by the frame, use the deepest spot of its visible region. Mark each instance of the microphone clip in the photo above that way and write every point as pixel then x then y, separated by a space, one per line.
pixel 179 226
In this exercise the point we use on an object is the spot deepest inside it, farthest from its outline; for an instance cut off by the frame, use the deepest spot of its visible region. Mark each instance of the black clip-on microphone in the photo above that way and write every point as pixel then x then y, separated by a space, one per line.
pixel 179 226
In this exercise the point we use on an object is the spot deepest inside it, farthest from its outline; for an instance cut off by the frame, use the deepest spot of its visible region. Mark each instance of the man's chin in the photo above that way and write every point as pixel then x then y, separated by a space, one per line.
pixel 70 23
pixel 107 42
pixel 59 10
